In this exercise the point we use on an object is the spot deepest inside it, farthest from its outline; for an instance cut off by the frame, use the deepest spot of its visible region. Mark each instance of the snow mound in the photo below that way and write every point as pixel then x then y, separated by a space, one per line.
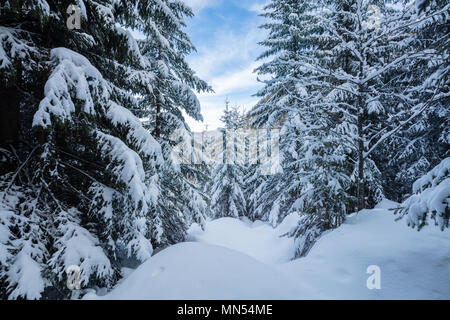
pixel 200 271
pixel 258 240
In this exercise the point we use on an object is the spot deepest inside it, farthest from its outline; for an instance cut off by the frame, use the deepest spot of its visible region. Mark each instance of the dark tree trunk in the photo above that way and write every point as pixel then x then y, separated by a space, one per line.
pixel 328 224
pixel 157 120
pixel 10 109
pixel 360 184
pixel 9 116
pixel 158 102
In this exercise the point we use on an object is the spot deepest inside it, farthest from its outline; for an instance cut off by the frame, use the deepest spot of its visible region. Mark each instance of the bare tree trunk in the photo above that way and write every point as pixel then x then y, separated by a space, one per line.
pixel 361 202
pixel 157 119
pixel 327 219
pixel 158 103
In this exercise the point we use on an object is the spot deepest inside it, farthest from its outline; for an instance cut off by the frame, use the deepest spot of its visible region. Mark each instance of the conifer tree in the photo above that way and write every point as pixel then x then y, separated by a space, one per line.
pixel 82 180
pixel 333 93
pixel 173 95
pixel 313 157
pixel 430 201
pixel 424 141
pixel 227 185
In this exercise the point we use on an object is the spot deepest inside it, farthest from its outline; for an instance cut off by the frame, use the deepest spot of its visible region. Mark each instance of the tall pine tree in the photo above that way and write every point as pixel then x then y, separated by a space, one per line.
pixel 227 184
pixel 82 180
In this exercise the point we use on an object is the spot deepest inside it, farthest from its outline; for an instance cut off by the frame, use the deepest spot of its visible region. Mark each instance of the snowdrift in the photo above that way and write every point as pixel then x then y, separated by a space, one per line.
pixel 414 265
pixel 201 271
pixel 236 259
pixel 258 240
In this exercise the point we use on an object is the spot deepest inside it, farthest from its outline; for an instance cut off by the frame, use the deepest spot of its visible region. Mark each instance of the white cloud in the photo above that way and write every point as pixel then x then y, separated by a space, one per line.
pixel 226 60
pixel 198 5
pixel 242 79
pixel 227 51
pixel 258 7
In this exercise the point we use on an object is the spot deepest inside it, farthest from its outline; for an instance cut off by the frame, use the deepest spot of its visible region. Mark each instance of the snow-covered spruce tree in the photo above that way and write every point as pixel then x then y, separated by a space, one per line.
pixel 254 184
pixel 227 197
pixel 290 32
pixel 313 150
pixel 335 66
pixel 232 118
pixel 320 166
pixel 183 197
pixel 423 142
pixel 281 98
pixel 81 185
pixel 314 180
pixel 430 200
pixel 363 68
pixel 274 195
pixel 255 175
pixel 363 54
pixel 227 185
pixel 166 47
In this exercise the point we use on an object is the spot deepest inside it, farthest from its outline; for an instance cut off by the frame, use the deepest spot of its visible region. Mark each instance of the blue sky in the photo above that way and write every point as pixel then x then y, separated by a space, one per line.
pixel 226 35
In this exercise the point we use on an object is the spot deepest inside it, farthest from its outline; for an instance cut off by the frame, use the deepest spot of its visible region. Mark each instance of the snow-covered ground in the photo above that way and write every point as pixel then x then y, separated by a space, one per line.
pixel 258 240
pixel 234 259
pixel 202 271
pixel 414 265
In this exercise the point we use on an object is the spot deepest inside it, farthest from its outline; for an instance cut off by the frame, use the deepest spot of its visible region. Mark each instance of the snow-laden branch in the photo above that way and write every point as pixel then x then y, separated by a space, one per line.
pixel 402 124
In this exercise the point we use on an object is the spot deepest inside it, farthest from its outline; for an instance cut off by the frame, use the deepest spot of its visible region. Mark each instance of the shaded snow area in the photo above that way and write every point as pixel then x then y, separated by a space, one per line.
pixel 234 259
